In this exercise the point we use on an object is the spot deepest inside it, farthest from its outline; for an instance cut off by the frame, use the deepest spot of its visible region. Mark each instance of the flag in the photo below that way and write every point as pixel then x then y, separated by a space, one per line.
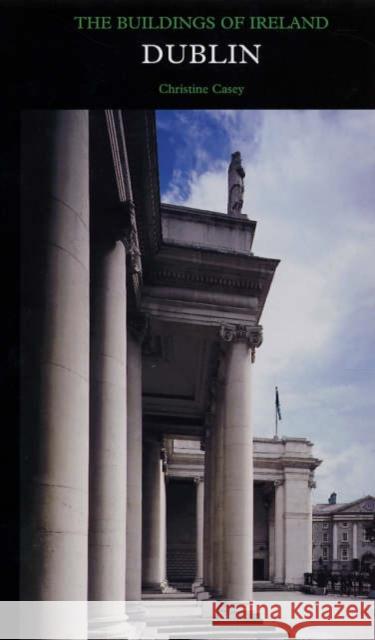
pixel 278 412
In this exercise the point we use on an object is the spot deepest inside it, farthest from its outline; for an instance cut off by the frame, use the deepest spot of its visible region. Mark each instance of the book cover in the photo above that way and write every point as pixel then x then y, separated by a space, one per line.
pixel 188 239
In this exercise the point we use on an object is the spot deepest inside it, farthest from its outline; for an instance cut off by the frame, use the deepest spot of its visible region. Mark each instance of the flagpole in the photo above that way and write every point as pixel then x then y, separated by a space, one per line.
pixel 276 422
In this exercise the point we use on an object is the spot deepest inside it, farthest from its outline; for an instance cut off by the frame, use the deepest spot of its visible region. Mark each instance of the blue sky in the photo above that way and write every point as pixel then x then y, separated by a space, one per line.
pixel 310 184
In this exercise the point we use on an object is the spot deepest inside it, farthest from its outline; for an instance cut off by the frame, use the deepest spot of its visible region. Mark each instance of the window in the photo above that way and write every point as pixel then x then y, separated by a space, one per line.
pixel 325 553
pixel 344 524
pixel 344 554
pixel 325 525
pixel 365 536
pixel 325 537
pixel 345 536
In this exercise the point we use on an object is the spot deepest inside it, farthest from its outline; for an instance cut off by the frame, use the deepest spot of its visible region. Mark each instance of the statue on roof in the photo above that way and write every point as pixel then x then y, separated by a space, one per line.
pixel 236 187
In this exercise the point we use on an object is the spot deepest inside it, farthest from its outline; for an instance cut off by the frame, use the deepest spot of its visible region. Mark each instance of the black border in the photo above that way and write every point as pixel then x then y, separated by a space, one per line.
pixel 47 63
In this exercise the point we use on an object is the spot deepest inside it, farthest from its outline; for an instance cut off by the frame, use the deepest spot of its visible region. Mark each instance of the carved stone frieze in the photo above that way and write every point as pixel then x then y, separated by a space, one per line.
pixel 202 280
pixel 131 239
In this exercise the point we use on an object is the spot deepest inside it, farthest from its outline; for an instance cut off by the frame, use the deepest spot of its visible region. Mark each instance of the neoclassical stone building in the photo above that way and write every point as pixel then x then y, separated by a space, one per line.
pixel 340 536
pixel 140 324
pixel 283 479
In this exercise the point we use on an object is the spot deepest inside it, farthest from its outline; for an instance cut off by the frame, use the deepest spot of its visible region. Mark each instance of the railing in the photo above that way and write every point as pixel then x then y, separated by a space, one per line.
pixel 349 584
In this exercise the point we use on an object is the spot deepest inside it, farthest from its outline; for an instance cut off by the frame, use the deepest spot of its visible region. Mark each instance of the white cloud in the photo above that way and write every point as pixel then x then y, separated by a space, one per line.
pixel 338 473
pixel 310 185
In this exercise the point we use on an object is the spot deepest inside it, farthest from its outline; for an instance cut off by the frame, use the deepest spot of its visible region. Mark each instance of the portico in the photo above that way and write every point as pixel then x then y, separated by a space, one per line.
pixel 276 530
pixel 141 323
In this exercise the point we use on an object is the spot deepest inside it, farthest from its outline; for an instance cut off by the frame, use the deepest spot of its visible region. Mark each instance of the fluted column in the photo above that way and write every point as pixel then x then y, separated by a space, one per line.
pixel 279 532
pixel 154 552
pixel 238 462
pixel 134 469
pixel 108 419
pixel 55 354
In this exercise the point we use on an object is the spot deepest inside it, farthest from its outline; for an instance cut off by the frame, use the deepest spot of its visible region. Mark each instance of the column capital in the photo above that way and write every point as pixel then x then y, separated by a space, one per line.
pixel 198 480
pixel 278 483
pixel 252 335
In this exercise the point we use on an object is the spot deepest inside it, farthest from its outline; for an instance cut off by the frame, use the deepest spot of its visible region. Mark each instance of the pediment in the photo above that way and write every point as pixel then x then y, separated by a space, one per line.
pixel 363 505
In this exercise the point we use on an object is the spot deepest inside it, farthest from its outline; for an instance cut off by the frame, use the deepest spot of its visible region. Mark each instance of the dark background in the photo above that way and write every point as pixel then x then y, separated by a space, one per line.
pixel 47 63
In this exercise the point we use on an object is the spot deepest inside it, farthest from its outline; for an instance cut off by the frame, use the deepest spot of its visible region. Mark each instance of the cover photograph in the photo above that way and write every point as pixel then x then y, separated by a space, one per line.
pixel 188 198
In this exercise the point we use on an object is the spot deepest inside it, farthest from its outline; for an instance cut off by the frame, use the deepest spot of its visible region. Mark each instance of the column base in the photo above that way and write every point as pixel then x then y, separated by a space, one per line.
pixel 197 584
pixel 166 588
pixel 202 595
pixel 199 590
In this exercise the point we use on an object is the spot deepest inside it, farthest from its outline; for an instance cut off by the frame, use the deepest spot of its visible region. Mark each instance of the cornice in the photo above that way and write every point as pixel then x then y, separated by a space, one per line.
pixel 194 214
pixel 119 154
pixel 281 462
pixel 140 132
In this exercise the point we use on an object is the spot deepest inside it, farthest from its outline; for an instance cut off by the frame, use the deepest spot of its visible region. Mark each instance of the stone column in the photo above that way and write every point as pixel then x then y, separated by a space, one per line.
pixel 212 507
pixel 219 486
pixel 298 536
pixel 355 540
pixel 271 538
pixel 309 555
pixel 334 542
pixel 134 469
pixel 207 509
pixel 199 483
pixel 55 354
pixel 107 532
pixel 154 520
pixel 163 533
pixel 238 463
pixel 279 532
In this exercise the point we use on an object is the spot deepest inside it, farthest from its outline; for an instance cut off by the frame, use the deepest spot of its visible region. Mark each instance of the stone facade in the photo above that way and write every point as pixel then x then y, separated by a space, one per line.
pixel 339 534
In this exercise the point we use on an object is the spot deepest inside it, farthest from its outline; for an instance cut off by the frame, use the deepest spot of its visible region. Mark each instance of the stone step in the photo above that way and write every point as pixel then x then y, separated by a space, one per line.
pixel 209 632
pixel 156 595
pixel 181 586
pixel 268 586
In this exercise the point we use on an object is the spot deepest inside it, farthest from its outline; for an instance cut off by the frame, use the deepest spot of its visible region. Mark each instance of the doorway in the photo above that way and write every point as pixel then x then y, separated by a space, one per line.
pixel 259 569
